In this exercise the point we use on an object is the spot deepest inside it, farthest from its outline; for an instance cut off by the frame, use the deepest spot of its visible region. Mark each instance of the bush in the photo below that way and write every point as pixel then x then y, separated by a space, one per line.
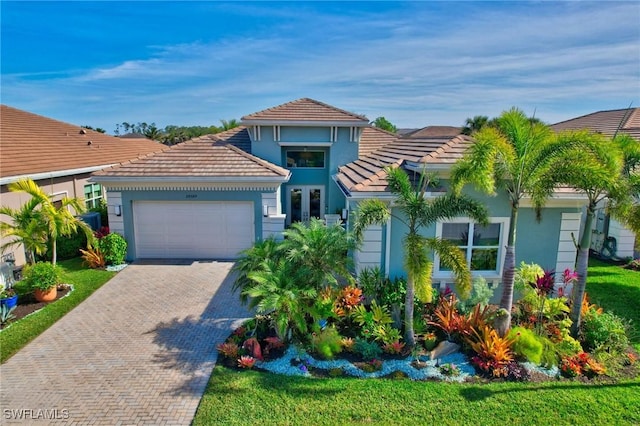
pixel 69 247
pixel 367 350
pixel 114 248
pixel 328 343
pixel 41 276
pixel 526 344
pixel 481 294
pixel 605 331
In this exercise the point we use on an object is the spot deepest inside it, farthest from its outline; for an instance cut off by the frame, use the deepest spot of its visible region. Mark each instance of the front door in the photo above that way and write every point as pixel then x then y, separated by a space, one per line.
pixel 304 202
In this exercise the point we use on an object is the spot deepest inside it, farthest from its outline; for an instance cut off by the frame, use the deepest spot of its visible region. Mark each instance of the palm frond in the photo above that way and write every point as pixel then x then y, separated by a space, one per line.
pixel 369 212
pixel 452 205
pixel 454 258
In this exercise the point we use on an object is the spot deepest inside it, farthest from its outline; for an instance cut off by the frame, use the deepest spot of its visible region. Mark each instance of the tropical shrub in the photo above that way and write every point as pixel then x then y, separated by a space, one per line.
pixel 327 343
pixel 69 245
pixel 493 352
pixel 394 348
pixel 579 364
pixel 229 350
pixel 246 362
pixel 93 258
pixel 114 248
pixel 371 320
pixel 367 350
pixel 605 331
pixel 527 274
pixel 446 317
pixel 41 276
pixel 526 344
pixel 481 294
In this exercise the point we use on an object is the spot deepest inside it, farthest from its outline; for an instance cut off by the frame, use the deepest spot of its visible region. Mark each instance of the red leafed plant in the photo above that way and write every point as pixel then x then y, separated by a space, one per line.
pixel 228 349
pixel 447 317
pixel 394 347
pixel 273 342
pixel 493 352
pixel 102 232
pixel 350 297
pixel 246 361
pixel 579 364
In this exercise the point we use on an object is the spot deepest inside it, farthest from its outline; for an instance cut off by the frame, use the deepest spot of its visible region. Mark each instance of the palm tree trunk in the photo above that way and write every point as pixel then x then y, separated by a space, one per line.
pixel 54 249
pixel 503 322
pixel 409 336
pixel 582 265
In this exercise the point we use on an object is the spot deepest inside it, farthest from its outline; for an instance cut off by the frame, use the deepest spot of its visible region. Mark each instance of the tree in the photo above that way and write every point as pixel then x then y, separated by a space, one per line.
pixel 228 125
pixel 52 221
pixel 417 212
pixel 603 169
pixel 474 124
pixel 26 228
pixel 384 124
pixel 513 155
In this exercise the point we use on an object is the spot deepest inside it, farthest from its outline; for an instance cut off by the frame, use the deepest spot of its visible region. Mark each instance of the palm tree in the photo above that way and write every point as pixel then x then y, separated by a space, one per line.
pixel 26 228
pixel 281 290
pixel 474 124
pixel 321 249
pixel 605 171
pixel 512 155
pixel 53 221
pixel 416 212
pixel 229 124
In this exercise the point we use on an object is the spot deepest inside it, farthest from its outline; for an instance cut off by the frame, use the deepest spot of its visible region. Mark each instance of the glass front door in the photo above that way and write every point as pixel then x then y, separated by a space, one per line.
pixel 304 202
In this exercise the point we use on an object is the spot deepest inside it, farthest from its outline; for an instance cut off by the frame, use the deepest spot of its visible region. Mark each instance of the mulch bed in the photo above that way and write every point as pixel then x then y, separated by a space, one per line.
pixel 27 304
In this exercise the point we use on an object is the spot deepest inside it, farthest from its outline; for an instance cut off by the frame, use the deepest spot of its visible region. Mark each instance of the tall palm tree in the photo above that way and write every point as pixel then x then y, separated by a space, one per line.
pixel 603 169
pixel 511 155
pixel 416 212
pixel 54 221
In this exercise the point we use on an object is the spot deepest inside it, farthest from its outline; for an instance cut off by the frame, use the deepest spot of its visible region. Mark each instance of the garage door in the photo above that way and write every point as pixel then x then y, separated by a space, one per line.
pixel 192 230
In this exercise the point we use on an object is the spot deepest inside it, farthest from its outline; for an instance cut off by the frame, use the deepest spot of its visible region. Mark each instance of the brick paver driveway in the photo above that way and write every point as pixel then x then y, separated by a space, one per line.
pixel 138 351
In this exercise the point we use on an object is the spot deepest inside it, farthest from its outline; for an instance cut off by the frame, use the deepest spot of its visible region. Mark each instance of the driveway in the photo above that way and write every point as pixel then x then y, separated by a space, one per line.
pixel 140 350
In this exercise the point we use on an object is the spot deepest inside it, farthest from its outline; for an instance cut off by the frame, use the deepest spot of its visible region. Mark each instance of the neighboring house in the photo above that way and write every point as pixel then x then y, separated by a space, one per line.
pixel 59 157
pixel 610 237
pixel 213 196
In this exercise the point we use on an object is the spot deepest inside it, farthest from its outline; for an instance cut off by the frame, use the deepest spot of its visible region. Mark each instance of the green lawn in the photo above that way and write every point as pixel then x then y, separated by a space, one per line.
pixel 238 398
pixel 85 282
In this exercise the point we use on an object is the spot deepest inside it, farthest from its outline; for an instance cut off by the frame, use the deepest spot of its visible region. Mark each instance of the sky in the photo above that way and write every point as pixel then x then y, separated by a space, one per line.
pixel 415 63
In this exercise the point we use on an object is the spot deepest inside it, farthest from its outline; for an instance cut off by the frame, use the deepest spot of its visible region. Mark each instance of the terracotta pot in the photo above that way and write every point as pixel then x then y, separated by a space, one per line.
pixel 46 295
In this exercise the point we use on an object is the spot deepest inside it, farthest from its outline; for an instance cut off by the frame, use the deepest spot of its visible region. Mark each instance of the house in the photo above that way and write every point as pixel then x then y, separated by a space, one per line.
pixel 215 195
pixel 59 157
pixel 610 238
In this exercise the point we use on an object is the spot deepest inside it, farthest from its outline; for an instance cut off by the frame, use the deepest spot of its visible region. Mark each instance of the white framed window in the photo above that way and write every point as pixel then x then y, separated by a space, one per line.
pixel 483 245
pixel 92 195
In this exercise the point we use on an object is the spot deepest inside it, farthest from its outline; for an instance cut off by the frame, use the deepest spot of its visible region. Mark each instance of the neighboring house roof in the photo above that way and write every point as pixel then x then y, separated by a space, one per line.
pixel 208 157
pixel 38 147
pixel 305 111
pixel 606 122
pixel 373 139
pixel 434 132
pixel 367 173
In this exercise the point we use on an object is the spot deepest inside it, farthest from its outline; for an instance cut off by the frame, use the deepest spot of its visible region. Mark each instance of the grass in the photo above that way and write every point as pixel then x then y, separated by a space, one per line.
pixel 85 282
pixel 618 291
pixel 237 398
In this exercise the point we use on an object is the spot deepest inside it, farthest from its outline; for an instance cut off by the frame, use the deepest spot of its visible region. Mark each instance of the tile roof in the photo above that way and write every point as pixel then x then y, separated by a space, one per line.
pixel 367 175
pixel 32 144
pixel 373 139
pixel 434 132
pixel 211 156
pixel 606 122
pixel 305 110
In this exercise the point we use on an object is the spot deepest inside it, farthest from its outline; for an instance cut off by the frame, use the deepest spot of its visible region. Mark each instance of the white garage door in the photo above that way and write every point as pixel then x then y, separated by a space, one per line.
pixel 192 230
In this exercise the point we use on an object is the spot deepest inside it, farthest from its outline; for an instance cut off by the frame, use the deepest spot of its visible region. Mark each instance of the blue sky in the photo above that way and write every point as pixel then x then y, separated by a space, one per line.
pixel 416 63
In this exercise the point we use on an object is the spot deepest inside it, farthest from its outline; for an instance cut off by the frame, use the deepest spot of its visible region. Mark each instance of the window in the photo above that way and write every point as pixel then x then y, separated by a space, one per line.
pixel 92 195
pixel 481 244
pixel 310 159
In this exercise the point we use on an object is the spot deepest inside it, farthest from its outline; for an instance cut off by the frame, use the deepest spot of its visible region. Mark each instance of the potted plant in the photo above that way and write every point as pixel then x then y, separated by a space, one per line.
pixel 43 279
pixel 8 296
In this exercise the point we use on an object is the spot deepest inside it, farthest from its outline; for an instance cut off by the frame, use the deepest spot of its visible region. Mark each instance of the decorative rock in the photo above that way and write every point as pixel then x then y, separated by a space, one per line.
pixel 444 348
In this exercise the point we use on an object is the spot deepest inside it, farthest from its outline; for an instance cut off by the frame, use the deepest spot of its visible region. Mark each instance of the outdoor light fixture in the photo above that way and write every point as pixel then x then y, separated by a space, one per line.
pixel 118 210
pixel 345 214
pixel 265 210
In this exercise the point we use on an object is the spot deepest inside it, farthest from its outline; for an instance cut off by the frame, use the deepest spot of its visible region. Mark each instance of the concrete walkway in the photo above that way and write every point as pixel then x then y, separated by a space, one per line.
pixel 140 350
